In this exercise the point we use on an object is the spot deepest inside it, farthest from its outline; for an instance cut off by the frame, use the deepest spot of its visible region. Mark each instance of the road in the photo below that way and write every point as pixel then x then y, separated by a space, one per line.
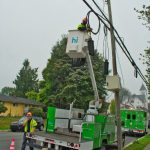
pixel 130 139
pixel 5 140
pixel 6 137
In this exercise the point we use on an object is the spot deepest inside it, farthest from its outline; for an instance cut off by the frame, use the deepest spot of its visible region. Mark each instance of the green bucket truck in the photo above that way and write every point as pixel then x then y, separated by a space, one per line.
pixel 74 129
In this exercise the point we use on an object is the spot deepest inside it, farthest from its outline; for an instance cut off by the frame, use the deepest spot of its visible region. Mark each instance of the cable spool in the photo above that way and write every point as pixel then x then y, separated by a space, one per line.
pixel 106 67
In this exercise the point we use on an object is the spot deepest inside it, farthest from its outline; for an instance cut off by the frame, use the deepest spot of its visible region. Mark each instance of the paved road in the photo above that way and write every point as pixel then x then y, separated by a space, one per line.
pixel 6 137
pixel 130 139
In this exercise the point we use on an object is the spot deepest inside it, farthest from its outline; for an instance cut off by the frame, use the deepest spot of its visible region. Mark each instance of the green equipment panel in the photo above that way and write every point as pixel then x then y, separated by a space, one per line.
pixel 91 131
pixel 51 119
pixel 101 131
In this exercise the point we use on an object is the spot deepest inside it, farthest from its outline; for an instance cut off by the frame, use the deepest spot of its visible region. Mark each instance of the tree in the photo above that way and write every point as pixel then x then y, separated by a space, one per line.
pixel 144 15
pixel 32 95
pixel 62 83
pixel 112 107
pixel 8 91
pixel 124 94
pixel 36 111
pixel 146 61
pixel 2 108
pixel 149 107
pixel 26 80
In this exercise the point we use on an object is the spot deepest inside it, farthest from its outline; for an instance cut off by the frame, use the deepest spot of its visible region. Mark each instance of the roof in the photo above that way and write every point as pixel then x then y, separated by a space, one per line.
pixel 142 88
pixel 19 100
pixel 138 110
pixel 140 97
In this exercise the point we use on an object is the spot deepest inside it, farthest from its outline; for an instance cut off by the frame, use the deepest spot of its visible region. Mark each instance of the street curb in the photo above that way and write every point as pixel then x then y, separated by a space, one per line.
pixel 127 145
pixel 133 142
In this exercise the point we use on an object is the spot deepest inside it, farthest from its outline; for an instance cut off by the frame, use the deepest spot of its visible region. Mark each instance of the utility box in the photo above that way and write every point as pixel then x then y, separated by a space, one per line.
pixel 76 44
pixel 113 83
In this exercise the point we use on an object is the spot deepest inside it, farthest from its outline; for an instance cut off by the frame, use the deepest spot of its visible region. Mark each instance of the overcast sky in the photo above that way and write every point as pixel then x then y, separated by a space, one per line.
pixel 30 28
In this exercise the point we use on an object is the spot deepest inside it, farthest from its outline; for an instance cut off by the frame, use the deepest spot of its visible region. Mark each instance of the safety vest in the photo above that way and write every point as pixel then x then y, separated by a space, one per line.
pixel 33 125
pixel 81 27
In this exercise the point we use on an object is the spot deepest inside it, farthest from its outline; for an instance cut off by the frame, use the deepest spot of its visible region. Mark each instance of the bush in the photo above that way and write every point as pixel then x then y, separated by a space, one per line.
pixel 36 111
pixel 2 108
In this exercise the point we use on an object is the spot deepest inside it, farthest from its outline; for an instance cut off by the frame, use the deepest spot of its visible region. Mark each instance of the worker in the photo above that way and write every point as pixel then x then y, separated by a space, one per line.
pixel 29 128
pixel 84 26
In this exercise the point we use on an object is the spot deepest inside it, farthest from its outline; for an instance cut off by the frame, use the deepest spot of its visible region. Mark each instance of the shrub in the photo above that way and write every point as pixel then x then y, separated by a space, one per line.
pixel 36 111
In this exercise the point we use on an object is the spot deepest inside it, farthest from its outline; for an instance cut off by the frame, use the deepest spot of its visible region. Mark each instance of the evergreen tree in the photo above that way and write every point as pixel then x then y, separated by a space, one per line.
pixel 26 80
pixel 64 83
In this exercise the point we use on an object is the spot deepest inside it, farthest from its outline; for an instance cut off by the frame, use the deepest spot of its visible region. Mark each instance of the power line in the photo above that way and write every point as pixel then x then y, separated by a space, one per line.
pixel 120 42
pixel 129 55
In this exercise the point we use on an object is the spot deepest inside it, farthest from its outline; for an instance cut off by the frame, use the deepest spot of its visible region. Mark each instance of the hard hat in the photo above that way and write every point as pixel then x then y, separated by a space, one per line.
pixel 29 114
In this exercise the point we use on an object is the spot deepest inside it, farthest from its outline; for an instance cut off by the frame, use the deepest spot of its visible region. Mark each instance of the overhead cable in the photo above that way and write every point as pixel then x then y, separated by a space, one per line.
pixel 122 45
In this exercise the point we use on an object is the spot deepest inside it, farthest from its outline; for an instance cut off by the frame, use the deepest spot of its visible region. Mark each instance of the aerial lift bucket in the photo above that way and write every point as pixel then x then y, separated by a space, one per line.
pixel 77 43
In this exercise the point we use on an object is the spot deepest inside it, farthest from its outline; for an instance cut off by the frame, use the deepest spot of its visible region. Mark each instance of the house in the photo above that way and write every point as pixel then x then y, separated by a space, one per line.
pixel 17 106
pixel 137 101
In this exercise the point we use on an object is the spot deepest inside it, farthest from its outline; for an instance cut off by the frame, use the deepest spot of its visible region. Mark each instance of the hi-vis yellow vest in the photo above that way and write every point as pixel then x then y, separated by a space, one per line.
pixel 33 125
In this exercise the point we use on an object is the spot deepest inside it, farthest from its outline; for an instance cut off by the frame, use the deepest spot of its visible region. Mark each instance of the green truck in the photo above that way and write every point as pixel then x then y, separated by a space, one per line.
pixel 74 129
pixel 134 121
pixel 81 132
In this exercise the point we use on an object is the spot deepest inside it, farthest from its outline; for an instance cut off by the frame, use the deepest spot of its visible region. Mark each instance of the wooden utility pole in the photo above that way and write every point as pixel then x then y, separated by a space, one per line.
pixel 113 46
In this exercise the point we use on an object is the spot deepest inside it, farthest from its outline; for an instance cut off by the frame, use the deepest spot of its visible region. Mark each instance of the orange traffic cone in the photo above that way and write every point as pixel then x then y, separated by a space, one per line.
pixel 12 145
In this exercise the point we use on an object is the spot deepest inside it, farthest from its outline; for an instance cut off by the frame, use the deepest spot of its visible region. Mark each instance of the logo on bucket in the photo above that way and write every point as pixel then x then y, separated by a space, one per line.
pixel 74 40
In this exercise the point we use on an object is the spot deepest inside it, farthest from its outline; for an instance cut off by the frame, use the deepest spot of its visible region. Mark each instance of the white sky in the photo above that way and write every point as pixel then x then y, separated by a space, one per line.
pixel 30 28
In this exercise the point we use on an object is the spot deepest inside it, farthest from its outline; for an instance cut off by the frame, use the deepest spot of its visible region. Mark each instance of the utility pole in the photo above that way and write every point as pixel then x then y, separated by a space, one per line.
pixel 113 46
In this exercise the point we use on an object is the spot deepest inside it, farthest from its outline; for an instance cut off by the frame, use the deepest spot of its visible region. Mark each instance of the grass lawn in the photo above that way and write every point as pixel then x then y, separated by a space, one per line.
pixel 6 121
pixel 139 144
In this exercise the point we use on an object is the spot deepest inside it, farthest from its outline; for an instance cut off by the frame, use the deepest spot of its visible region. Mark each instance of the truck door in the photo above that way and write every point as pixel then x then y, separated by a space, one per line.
pixel 141 121
pixel 134 120
pixel 128 120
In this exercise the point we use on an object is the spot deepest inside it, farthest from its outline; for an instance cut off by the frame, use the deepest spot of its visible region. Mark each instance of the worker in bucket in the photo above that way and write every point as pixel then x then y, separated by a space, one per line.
pixel 84 26
pixel 29 128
